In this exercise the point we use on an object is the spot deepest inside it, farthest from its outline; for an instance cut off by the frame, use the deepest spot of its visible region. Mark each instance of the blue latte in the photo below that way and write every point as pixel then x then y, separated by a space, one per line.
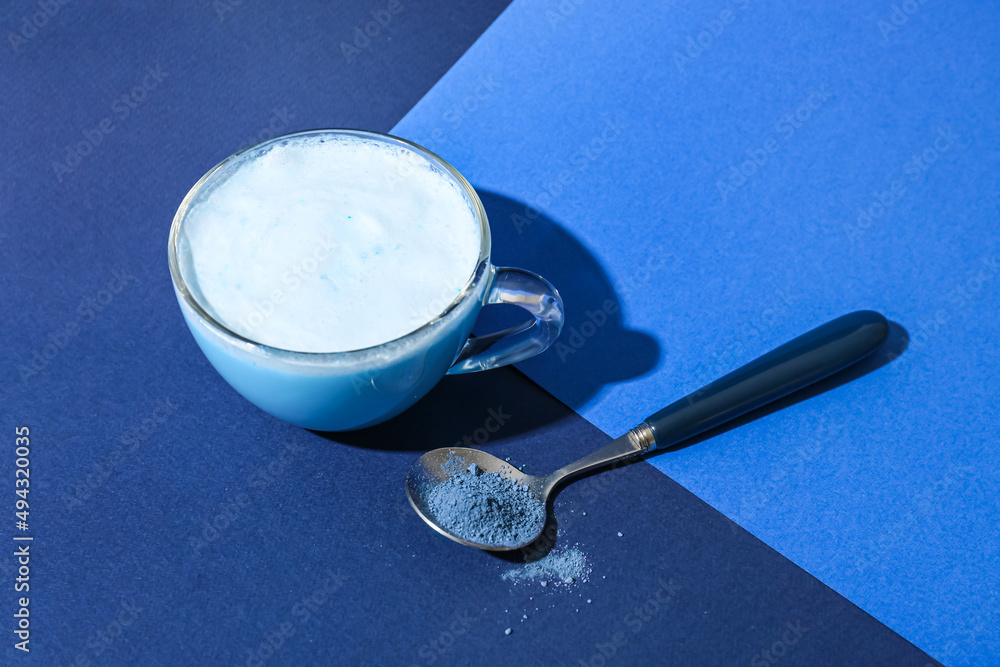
pixel 333 277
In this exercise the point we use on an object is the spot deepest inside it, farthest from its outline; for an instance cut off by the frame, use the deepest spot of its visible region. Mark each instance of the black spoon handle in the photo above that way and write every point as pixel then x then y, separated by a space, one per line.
pixel 796 364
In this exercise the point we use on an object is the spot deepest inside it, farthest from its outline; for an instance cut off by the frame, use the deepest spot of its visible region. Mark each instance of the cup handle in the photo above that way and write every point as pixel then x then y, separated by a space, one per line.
pixel 531 292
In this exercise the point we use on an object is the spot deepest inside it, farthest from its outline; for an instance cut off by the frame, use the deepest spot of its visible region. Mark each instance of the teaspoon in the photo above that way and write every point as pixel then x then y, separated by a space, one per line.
pixel 801 362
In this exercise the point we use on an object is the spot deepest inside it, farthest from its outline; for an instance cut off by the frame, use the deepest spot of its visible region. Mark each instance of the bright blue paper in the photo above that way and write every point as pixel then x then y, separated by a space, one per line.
pixel 608 141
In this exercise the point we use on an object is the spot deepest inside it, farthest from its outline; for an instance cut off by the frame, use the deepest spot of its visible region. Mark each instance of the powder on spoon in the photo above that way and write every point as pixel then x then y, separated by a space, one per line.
pixel 487 508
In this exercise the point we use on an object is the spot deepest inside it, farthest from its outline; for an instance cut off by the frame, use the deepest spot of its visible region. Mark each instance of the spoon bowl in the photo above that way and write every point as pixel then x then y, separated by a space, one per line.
pixel 433 468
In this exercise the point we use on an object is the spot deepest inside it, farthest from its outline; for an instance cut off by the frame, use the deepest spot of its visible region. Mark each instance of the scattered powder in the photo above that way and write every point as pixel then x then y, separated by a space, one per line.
pixel 482 507
pixel 566 567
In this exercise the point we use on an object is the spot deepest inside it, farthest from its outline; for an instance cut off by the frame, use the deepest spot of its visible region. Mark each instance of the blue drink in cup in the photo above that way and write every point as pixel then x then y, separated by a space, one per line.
pixel 333 277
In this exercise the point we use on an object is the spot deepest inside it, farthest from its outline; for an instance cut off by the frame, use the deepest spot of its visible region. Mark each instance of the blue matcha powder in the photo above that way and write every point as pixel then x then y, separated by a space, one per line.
pixel 484 507
pixel 567 567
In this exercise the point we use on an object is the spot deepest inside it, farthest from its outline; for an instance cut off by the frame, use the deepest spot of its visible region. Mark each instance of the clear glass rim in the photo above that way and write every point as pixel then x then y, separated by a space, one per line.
pixel 476 275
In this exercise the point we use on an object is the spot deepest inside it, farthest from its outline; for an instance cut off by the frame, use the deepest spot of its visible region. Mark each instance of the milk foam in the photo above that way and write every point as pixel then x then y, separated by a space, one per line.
pixel 329 243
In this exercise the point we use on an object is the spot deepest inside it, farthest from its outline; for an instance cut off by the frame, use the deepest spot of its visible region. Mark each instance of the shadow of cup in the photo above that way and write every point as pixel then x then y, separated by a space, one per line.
pixel 594 337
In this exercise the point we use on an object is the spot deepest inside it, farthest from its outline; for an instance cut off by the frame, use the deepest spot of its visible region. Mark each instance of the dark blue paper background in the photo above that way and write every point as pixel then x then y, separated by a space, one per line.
pixel 174 523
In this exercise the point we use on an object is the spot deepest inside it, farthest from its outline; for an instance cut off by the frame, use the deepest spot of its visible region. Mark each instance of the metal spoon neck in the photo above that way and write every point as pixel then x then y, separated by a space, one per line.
pixel 642 438
pixel 636 442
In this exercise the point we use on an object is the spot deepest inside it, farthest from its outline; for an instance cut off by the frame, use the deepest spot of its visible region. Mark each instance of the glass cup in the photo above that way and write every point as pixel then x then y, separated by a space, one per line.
pixel 340 391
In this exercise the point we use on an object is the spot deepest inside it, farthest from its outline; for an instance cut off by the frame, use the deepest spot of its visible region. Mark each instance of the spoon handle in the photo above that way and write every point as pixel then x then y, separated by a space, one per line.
pixel 796 364
pixel 807 359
